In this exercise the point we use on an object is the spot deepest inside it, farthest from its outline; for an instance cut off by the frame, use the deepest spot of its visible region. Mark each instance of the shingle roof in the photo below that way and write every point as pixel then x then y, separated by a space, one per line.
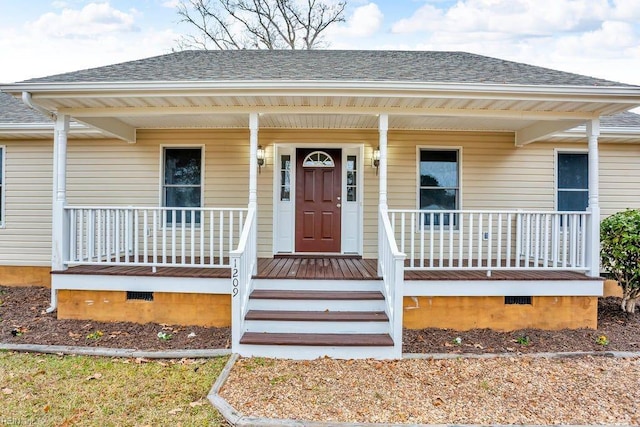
pixel 626 119
pixel 370 65
pixel 14 111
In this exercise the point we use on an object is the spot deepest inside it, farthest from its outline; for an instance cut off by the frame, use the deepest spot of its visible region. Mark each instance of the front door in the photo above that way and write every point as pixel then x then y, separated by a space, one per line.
pixel 318 204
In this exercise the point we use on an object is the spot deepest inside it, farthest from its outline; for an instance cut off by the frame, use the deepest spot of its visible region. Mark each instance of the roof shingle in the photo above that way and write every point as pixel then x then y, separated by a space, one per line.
pixel 332 65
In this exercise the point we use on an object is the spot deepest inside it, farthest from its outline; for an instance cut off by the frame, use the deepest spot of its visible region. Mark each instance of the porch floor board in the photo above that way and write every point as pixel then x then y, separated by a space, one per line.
pixel 315 267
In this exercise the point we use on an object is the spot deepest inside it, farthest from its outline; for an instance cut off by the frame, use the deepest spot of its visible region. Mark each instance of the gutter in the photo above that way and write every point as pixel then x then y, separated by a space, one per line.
pixel 28 100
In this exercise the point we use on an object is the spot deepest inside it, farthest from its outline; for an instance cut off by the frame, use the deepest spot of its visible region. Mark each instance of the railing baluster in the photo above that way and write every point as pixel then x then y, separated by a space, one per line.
pixel 183 235
pixel 480 218
pixel 163 225
pixel 509 240
pixel 460 239
pixel 145 224
pixel 154 238
pixel 536 259
pixel 451 227
pixel 192 236
pixel 574 240
pixel 403 224
pixel 565 231
pixel 117 242
pixel 211 238
pixel 527 237
pixel 470 255
pixel 499 241
pixel 422 227
pixel 545 243
pixel 555 241
pixel 202 240
pixel 431 238
pixel 441 237
pixel 489 239
pixel 221 239
pixel 136 236
pixel 412 240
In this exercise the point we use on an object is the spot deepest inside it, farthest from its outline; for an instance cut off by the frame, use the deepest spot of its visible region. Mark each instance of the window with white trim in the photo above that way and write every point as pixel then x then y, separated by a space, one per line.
pixel 439 183
pixel 573 181
pixel 182 180
pixel 2 151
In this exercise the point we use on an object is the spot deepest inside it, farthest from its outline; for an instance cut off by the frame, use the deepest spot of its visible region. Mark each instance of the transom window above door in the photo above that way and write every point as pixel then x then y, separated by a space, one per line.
pixel 182 180
pixel 318 159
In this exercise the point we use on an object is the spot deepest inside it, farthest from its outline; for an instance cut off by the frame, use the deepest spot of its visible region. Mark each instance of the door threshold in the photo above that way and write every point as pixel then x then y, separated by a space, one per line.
pixel 316 255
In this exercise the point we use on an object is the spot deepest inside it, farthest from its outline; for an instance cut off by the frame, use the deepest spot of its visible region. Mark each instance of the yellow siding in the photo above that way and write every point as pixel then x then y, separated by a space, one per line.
pixel 26 238
pixel 495 175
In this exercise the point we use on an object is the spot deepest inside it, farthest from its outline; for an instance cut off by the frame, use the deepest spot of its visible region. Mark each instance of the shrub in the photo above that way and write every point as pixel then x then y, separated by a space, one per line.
pixel 620 253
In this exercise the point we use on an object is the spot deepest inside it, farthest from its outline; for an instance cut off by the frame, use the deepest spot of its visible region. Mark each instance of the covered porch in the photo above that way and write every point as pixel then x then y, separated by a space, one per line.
pixel 398 251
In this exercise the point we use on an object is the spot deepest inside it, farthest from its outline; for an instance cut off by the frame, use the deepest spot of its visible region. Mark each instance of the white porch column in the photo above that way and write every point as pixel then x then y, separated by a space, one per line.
pixel 253 161
pixel 383 127
pixel 59 226
pixel 593 243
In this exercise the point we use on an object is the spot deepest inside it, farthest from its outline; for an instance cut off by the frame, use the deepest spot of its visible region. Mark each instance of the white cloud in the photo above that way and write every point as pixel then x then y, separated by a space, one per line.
pixel 365 21
pixel 93 20
pixel 171 4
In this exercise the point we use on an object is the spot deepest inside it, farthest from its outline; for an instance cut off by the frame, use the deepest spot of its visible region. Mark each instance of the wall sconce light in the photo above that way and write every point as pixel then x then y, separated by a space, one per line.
pixel 375 159
pixel 260 157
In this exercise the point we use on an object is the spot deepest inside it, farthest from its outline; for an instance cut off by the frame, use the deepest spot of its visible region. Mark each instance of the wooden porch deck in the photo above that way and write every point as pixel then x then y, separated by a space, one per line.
pixel 320 268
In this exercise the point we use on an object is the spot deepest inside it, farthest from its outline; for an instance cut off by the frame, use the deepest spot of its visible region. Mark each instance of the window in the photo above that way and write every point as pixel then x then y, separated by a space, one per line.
pixel 573 181
pixel 285 178
pixel 352 179
pixel 182 180
pixel 439 184
pixel 1 186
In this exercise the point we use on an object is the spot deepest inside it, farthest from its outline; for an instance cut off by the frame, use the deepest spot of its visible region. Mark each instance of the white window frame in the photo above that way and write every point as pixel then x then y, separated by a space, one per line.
pixel 3 186
pixel 556 154
pixel 419 149
pixel 163 147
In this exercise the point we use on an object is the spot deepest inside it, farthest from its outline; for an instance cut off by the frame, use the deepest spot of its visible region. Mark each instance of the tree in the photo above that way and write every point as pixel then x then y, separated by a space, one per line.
pixel 620 253
pixel 258 24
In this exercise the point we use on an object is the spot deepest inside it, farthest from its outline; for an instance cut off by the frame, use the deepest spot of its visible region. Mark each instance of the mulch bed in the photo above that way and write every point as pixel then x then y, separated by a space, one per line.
pixel 23 320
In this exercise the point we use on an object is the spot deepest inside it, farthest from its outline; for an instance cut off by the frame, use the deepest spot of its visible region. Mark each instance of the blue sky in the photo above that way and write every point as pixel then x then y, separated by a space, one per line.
pixel 594 37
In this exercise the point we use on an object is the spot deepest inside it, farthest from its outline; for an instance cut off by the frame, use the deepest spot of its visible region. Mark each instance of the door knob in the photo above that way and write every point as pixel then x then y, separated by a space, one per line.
pixel 338 205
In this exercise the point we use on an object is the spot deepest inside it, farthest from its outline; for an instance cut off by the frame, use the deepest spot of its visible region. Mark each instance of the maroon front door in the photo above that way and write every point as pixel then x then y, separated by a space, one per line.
pixel 318 189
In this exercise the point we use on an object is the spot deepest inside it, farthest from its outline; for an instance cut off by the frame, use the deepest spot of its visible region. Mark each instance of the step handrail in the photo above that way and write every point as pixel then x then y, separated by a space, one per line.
pixel 391 268
pixel 244 261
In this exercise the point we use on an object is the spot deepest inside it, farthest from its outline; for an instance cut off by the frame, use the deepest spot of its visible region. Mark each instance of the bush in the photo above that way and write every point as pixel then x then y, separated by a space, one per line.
pixel 620 253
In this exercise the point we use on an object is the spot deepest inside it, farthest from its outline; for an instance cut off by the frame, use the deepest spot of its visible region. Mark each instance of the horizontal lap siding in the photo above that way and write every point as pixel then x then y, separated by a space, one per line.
pixel 26 238
pixel 494 173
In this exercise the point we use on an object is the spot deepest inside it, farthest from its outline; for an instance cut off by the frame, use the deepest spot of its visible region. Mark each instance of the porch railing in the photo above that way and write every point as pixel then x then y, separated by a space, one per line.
pixel 153 236
pixel 244 263
pixel 391 265
pixel 492 240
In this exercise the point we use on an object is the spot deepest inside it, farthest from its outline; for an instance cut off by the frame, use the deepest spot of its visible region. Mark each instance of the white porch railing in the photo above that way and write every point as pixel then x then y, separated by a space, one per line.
pixel 492 240
pixel 244 264
pixel 391 265
pixel 153 236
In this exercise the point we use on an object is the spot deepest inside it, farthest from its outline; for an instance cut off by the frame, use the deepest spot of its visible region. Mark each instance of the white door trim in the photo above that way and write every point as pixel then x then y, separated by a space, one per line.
pixel 284 211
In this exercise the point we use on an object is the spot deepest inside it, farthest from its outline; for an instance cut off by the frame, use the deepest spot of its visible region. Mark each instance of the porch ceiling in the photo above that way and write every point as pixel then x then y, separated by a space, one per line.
pixel 530 112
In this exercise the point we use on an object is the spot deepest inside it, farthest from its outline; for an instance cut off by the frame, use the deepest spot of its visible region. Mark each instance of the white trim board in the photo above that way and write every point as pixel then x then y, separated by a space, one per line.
pixel 487 288
pixel 193 285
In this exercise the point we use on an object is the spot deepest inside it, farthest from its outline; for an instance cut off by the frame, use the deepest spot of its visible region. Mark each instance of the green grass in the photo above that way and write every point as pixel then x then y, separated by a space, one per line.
pixel 55 390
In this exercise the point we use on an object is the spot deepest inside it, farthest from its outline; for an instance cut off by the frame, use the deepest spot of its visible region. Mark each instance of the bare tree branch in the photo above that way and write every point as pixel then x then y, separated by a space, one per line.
pixel 257 24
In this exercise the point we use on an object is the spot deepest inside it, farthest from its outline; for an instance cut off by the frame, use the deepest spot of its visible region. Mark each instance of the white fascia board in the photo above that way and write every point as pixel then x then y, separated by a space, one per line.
pixel 623 94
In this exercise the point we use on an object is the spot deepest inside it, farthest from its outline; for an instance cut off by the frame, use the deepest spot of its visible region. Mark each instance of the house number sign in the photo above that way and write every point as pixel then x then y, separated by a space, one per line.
pixel 234 278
